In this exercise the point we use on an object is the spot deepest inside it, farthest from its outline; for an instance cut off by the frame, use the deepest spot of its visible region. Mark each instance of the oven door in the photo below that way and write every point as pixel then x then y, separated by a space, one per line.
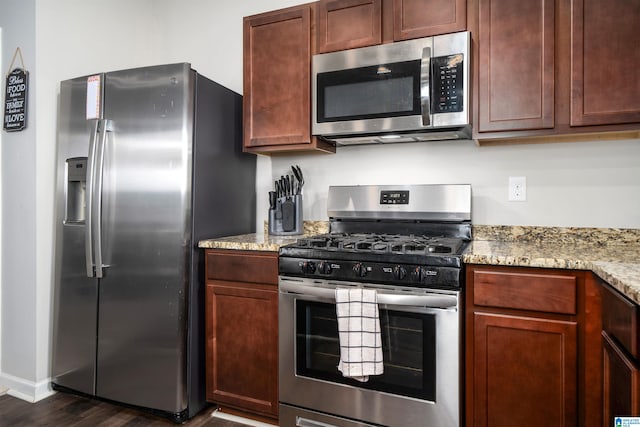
pixel 421 341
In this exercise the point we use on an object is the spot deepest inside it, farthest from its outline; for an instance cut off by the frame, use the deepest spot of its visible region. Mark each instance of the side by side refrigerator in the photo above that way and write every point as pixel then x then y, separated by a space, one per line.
pixel 149 162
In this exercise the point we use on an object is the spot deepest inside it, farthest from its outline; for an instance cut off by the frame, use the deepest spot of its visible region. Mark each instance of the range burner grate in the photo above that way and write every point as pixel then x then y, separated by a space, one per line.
pixel 382 243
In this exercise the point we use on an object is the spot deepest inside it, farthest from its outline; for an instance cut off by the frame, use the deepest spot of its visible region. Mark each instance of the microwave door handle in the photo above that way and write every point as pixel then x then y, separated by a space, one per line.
pixel 425 87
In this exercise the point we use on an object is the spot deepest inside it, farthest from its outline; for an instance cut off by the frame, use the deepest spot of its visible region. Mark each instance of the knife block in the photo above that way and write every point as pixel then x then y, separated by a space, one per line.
pixel 286 218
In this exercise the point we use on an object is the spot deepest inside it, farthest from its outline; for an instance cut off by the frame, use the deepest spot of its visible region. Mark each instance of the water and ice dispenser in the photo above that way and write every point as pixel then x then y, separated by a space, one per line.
pixel 76 189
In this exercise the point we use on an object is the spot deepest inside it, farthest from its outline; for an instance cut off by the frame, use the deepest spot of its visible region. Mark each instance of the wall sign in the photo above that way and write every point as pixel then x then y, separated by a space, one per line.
pixel 15 97
pixel 15 100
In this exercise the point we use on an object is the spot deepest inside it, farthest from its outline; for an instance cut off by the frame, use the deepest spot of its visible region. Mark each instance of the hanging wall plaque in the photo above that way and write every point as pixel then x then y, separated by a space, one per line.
pixel 15 97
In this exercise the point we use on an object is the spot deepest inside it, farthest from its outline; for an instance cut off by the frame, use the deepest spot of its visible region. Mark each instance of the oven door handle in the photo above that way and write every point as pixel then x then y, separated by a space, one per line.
pixel 426 300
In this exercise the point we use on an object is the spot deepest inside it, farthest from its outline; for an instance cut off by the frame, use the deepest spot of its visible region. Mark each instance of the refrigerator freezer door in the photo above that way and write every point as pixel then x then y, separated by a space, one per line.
pixel 146 241
pixel 75 294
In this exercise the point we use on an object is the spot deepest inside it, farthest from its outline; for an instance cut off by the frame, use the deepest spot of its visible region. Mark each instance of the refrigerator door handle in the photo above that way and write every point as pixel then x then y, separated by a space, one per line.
pixel 88 236
pixel 93 225
pixel 105 126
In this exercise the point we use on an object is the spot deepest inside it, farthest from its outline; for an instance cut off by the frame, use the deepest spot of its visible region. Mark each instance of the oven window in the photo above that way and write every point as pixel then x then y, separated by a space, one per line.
pixel 408 343
pixel 387 90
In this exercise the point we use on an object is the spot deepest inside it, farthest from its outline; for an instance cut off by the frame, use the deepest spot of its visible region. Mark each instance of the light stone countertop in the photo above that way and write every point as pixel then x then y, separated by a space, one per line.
pixel 263 241
pixel 612 254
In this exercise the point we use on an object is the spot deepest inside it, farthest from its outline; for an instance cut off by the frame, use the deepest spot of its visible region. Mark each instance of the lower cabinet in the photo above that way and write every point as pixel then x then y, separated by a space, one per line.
pixel 621 358
pixel 525 371
pixel 242 330
pixel 532 351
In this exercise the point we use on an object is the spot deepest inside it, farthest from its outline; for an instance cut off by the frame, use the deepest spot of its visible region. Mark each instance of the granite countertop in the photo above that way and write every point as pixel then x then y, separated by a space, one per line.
pixel 263 241
pixel 612 254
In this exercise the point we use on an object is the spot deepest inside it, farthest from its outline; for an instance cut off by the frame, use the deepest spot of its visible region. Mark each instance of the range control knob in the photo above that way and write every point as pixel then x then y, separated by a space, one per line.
pixel 360 269
pixel 324 267
pixel 399 272
pixel 308 267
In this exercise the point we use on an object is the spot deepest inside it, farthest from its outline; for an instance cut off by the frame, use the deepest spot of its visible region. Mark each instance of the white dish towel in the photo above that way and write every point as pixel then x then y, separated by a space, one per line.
pixel 359 333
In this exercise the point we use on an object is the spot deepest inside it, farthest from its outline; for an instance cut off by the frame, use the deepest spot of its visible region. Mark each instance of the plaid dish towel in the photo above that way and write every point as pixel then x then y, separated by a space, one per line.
pixel 359 333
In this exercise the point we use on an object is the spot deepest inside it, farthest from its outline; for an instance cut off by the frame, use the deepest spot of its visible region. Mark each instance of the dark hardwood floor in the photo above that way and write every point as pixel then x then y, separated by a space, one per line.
pixel 63 409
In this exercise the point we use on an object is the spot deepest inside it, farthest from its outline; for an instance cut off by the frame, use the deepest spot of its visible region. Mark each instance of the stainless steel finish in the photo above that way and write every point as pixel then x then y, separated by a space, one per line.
pixel 292 416
pixel 463 132
pixel 75 294
pixel 366 405
pixel 427 202
pixel 425 88
pixel 91 196
pixel 136 335
pixel 387 295
pixel 442 126
pixel 104 127
pixel 146 189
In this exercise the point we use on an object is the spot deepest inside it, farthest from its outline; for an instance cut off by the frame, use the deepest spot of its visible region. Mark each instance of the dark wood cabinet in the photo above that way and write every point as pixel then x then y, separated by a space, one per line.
pixel 242 330
pixel 532 347
pixel 605 88
pixel 525 371
pixel 621 382
pixel 348 24
pixel 413 19
pixel 558 69
pixel 621 355
pixel 516 65
pixel 277 88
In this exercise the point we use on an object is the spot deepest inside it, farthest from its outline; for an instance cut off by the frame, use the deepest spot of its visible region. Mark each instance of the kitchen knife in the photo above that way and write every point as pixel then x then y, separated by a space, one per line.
pixel 298 173
pixel 272 199
pixel 288 186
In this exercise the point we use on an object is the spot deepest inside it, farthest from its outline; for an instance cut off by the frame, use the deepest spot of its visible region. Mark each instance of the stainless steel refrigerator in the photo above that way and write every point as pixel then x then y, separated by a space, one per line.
pixel 149 163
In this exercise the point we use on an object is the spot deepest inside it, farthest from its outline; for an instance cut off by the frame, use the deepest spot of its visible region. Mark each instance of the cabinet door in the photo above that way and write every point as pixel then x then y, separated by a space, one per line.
pixel 422 18
pixel 277 66
pixel 242 343
pixel 516 65
pixel 621 382
pixel 525 372
pixel 605 88
pixel 348 24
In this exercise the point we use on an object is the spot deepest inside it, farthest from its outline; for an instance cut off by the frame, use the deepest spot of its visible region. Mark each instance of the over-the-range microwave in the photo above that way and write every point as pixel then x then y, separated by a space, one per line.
pixel 414 90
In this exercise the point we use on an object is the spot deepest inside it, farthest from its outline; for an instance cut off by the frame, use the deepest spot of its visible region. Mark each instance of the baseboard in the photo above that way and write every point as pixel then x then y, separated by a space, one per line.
pixel 24 389
pixel 219 413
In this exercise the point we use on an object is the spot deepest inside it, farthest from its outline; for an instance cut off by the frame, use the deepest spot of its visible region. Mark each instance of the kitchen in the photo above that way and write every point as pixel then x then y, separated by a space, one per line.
pixel 581 184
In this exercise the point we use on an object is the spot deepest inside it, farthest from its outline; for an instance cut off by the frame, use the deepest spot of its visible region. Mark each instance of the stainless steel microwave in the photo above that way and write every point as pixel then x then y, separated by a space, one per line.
pixel 414 90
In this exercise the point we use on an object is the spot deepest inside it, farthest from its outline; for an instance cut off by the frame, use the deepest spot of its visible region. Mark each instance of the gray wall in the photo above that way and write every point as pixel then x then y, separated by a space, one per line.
pixel 583 184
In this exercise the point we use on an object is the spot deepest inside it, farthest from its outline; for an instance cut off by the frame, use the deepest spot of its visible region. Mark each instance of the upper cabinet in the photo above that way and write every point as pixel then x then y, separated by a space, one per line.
pixel 605 86
pixel 348 24
pixel 555 67
pixel 413 19
pixel 516 64
pixel 277 67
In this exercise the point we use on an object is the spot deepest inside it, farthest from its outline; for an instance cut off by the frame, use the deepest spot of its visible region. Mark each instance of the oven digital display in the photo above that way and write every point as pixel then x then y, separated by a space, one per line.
pixel 389 197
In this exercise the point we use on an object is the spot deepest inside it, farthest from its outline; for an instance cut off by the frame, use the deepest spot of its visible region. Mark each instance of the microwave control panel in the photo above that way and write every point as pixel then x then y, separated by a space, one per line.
pixel 447 84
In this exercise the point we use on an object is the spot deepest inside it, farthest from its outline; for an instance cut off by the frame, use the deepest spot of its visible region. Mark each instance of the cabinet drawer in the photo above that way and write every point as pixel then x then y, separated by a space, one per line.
pixel 242 266
pixel 525 291
pixel 620 319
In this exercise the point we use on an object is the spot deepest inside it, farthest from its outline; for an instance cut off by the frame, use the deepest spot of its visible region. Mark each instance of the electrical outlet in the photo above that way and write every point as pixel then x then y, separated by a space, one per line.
pixel 517 188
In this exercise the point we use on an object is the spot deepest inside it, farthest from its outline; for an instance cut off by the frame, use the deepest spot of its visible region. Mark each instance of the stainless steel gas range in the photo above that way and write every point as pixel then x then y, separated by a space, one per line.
pixel 404 242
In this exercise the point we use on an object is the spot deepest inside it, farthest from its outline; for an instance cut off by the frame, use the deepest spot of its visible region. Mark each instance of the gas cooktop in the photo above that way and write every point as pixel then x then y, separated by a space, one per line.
pixel 417 240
